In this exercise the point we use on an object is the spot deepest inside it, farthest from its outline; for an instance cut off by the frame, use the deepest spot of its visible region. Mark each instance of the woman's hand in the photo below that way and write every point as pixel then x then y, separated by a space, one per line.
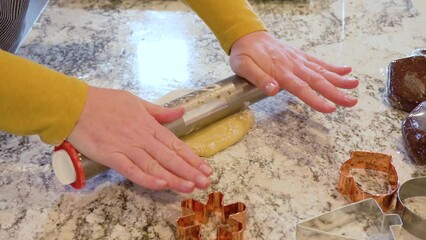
pixel 272 65
pixel 124 132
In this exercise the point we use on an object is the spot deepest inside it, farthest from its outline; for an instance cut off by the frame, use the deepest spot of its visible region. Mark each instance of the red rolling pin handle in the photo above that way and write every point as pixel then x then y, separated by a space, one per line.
pixel 63 156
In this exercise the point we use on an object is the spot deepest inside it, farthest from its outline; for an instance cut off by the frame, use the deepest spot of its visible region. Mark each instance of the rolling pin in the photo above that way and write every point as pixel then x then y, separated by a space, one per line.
pixel 202 107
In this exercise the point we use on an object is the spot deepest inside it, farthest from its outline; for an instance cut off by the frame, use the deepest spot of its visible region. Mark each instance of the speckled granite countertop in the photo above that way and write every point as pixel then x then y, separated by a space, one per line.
pixel 285 170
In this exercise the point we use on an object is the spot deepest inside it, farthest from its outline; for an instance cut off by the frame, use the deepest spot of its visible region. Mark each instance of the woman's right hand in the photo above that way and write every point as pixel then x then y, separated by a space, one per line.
pixel 124 132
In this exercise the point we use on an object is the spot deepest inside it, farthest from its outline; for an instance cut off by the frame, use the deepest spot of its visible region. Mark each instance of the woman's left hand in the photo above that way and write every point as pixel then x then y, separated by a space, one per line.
pixel 272 65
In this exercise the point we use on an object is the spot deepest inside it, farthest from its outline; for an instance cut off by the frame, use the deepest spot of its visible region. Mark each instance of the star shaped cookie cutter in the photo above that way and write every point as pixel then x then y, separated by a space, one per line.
pixel 372 161
pixel 195 213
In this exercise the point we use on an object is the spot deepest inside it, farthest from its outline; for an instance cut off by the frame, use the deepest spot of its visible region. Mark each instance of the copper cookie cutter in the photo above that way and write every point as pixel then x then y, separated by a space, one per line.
pixel 195 213
pixel 372 161
pixel 414 223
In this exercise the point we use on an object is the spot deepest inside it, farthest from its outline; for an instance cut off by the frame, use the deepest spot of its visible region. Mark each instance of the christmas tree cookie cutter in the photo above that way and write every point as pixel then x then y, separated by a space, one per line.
pixel 361 220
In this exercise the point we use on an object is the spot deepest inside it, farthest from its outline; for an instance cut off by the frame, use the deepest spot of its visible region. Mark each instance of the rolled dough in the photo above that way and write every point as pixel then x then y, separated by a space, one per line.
pixel 218 136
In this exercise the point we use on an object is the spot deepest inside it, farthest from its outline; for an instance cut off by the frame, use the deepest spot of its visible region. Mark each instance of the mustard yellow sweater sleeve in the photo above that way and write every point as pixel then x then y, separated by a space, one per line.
pixel 38 100
pixel 229 20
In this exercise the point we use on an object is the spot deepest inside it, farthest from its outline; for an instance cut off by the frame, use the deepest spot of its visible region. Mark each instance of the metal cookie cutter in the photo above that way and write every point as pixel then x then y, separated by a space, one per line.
pixel 194 213
pixel 414 223
pixel 361 220
pixel 372 161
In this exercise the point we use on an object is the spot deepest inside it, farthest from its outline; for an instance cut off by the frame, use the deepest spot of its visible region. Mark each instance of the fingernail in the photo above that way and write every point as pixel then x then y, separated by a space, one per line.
pixel 349 98
pixel 330 106
pixel 179 109
pixel 206 169
pixel 270 87
pixel 187 185
pixel 161 182
pixel 202 181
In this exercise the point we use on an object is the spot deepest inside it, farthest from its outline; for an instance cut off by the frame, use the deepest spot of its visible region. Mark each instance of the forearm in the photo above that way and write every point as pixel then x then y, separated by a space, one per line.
pixel 38 100
pixel 228 19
